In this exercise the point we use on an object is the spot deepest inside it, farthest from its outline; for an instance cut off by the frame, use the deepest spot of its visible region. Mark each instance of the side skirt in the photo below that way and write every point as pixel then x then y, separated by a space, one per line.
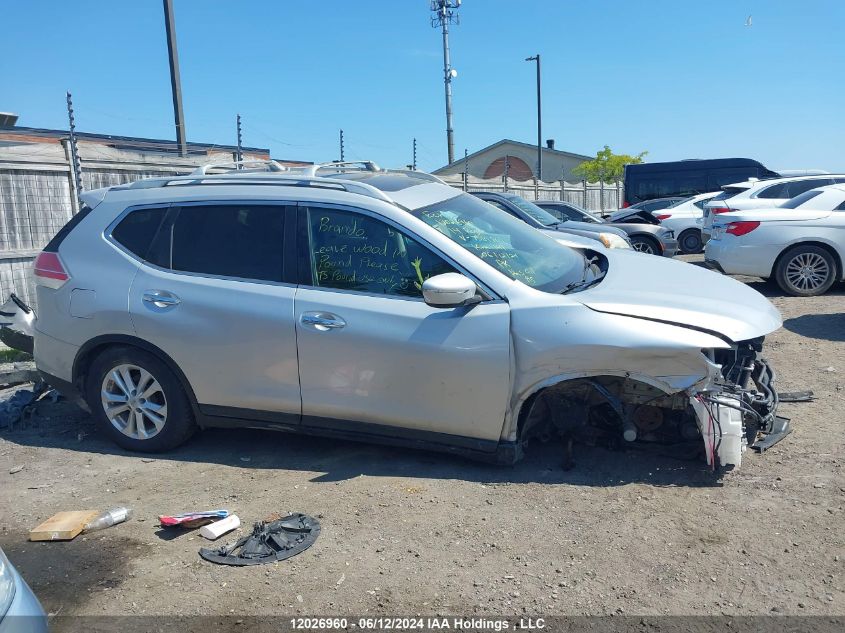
pixel 490 451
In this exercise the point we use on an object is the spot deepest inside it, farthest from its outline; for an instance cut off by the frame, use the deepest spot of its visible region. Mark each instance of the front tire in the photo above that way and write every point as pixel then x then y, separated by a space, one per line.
pixel 137 401
pixel 806 271
pixel 690 241
pixel 645 245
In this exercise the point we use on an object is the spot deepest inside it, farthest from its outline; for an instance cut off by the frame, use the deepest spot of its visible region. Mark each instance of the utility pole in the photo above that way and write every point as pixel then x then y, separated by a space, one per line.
pixel 444 15
pixel 536 58
pixel 240 144
pixel 175 81
pixel 414 163
pixel 75 165
pixel 341 146
pixel 466 169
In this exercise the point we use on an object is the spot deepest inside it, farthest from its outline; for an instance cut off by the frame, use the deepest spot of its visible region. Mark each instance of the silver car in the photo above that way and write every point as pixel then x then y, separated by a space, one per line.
pixel 20 611
pixel 387 306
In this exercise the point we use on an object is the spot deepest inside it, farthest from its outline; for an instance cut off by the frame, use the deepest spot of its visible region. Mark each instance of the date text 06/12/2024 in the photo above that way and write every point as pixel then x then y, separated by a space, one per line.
pixel 418 624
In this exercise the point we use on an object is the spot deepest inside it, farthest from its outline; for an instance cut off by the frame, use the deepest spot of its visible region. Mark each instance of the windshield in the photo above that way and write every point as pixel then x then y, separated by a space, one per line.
pixel 541 215
pixel 509 245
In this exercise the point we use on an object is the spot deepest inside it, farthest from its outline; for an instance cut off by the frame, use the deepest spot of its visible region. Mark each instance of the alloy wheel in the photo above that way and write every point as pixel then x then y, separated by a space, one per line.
pixel 807 271
pixel 134 401
pixel 643 247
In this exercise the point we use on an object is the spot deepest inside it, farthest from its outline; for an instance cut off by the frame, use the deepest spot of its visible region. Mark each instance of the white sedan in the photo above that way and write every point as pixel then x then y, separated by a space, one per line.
pixel 800 243
pixel 685 218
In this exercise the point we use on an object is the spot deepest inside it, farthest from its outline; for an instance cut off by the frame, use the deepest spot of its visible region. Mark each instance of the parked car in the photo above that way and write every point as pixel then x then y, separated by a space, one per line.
pixel 649 238
pixel 685 220
pixel 760 194
pixel 389 307
pixel 658 240
pixel 20 611
pixel 655 204
pixel 528 212
pixel 801 244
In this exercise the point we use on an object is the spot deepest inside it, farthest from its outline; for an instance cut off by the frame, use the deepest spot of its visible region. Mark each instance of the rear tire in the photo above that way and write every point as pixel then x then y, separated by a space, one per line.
pixel 806 271
pixel 138 401
pixel 645 245
pixel 690 241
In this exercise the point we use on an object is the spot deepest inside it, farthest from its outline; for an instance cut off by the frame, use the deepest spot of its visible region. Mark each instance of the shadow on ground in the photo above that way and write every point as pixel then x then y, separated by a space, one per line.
pixel 827 327
pixel 339 460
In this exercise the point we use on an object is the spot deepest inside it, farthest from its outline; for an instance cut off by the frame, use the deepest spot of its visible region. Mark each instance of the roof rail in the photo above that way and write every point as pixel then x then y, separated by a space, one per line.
pixel 340 166
pixel 286 179
pixel 268 164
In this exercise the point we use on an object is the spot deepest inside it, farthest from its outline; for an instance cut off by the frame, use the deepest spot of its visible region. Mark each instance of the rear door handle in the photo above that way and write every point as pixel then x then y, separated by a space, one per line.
pixel 161 298
pixel 322 321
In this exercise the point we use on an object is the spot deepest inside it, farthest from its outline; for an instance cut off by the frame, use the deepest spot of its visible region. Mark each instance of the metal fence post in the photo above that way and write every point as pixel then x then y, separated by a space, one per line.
pixel 71 177
pixel 618 199
pixel 601 195
pixel 562 190
pixel 584 188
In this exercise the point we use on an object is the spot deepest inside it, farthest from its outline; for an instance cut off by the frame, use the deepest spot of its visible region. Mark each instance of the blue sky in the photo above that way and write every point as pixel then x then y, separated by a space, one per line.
pixel 681 79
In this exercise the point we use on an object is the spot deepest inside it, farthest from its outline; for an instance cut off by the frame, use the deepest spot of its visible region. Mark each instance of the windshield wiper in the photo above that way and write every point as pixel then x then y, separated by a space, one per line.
pixel 580 285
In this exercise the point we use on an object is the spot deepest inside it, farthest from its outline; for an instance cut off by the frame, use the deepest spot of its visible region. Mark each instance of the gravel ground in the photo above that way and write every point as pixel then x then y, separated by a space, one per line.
pixel 407 532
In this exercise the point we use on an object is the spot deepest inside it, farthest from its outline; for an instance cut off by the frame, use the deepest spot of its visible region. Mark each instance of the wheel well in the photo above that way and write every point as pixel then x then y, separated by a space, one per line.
pixel 567 407
pixel 648 238
pixel 827 247
pixel 93 348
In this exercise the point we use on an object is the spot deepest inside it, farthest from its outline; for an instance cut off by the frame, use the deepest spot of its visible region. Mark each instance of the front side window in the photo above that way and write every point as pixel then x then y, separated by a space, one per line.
pixel 841 206
pixel 509 245
pixel 352 251
pixel 797 187
pixel 228 240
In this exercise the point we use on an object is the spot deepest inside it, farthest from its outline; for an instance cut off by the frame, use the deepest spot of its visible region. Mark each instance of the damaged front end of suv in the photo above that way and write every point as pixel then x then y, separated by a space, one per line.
pixel 723 413
pixel 677 367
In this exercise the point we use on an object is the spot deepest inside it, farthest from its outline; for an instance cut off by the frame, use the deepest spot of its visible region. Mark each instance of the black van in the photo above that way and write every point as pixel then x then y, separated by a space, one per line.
pixel 645 181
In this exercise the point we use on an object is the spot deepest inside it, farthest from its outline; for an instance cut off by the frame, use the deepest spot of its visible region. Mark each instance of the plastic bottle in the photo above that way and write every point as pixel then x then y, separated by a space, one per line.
pixel 219 528
pixel 107 519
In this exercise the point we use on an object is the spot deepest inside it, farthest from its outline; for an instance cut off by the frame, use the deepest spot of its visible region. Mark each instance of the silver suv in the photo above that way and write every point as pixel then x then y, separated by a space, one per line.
pixel 386 306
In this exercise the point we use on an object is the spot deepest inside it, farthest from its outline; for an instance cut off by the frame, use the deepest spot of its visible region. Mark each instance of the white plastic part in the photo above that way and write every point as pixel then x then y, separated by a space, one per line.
pixel 219 528
pixel 728 445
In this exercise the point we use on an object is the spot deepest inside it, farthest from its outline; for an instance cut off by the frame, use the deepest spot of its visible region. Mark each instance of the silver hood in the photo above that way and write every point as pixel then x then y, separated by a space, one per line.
pixel 679 293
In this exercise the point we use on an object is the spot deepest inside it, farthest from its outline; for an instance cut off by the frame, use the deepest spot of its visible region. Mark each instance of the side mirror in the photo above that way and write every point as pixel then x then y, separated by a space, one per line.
pixel 449 290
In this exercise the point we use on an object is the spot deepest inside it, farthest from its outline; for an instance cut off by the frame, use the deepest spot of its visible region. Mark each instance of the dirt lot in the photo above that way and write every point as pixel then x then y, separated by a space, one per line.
pixel 408 532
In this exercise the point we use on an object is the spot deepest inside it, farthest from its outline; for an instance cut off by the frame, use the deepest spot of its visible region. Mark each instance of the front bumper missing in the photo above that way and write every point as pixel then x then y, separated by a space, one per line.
pixel 732 418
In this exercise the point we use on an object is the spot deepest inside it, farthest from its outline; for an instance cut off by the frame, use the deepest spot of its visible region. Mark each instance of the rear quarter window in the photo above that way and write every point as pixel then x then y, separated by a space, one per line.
pixel 137 230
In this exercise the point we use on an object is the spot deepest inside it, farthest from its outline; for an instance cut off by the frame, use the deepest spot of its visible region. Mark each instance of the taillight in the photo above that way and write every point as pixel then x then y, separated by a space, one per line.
pixel 625 204
pixel 663 216
pixel 741 228
pixel 49 270
pixel 717 210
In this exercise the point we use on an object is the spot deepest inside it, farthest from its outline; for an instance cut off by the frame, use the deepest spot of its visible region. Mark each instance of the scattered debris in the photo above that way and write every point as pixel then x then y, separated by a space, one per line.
pixel 268 542
pixel 796 396
pixel 107 519
pixel 15 469
pixel 17 321
pixel 192 520
pixel 20 405
pixel 62 526
pixel 219 528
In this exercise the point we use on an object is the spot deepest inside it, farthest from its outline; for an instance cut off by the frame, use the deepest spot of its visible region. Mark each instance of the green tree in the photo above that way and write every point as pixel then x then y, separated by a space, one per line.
pixel 606 166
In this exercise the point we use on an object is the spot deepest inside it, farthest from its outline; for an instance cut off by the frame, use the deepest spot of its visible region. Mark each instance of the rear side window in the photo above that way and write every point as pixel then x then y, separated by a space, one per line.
pixel 243 241
pixel 775 191
pixel 136 231
pixel 797 201
pixel 841 206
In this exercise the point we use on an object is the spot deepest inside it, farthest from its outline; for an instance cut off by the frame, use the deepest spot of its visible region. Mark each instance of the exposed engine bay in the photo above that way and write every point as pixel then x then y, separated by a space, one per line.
pixel 721 416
